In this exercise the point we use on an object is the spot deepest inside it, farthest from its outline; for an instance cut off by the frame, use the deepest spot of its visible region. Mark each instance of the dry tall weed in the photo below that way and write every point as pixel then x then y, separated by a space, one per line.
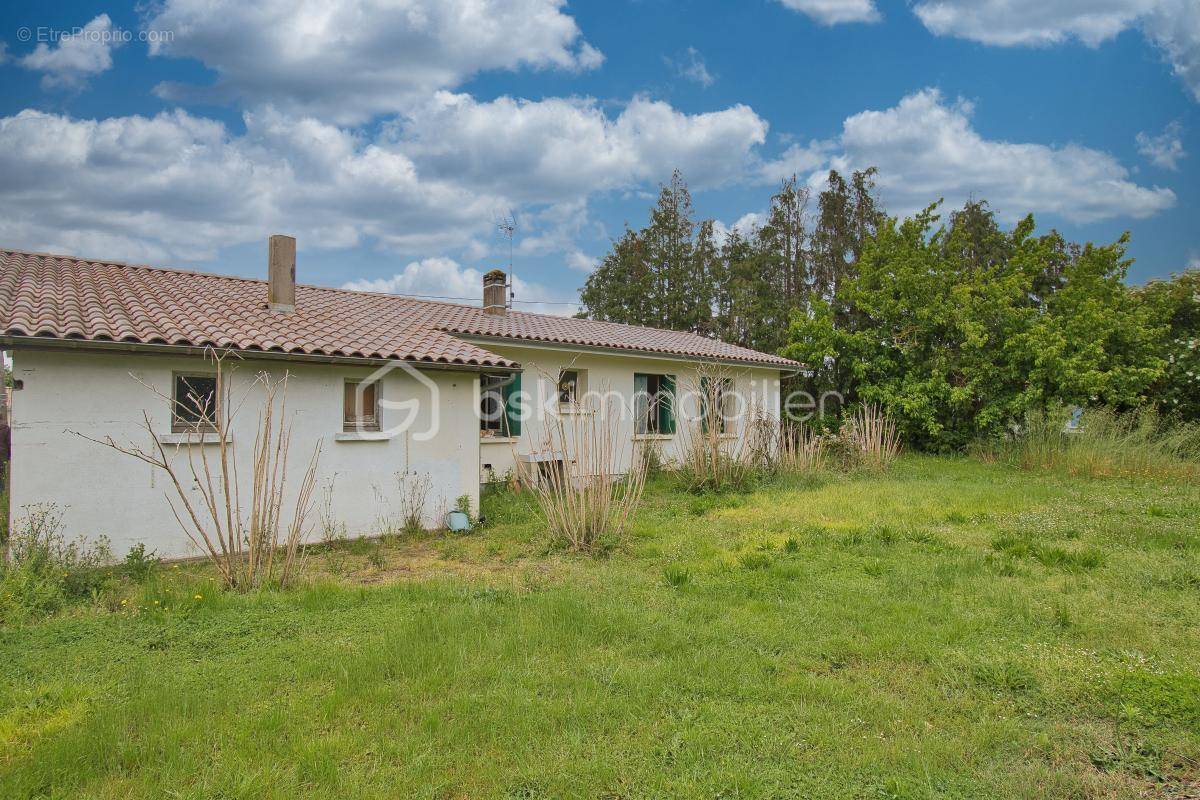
pixel 871 436
pixel 587 481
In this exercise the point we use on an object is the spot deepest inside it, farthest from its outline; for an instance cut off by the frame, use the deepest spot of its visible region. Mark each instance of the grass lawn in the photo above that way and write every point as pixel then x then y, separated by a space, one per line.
pixel 951 629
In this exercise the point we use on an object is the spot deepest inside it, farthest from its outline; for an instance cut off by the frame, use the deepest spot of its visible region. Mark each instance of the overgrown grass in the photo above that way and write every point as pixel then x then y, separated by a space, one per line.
pixel 1103 443
pixel 946 629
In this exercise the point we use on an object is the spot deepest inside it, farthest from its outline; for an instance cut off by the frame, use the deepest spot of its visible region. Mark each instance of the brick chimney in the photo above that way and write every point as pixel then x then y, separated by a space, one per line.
pixel 281 273
pixel 495 289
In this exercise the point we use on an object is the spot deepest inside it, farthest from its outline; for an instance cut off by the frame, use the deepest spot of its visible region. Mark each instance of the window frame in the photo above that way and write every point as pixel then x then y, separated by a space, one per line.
pixel 178 423
pixel 507 385
pixel 657 418
pixel 578 388
pixel 355 425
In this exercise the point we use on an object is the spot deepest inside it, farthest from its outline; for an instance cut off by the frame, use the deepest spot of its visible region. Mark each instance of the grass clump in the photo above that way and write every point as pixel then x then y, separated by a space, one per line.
pixel 1049 555
pixel 587 501
pixel 676 576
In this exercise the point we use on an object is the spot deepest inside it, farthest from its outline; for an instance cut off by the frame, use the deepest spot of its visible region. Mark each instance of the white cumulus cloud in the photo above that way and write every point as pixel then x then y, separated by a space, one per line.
pixel 556 148
pixel 1172 25
pixel 926 148
pixel 833 12
pixel 1164 150
pixel 446 278
pixel 350 60
pixel 75 57
pixel 178 186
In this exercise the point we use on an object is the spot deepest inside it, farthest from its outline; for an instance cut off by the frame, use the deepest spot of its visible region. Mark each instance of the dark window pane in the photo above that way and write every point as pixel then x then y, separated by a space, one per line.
pixel 568 386
pixel 491 403
pixel 195 401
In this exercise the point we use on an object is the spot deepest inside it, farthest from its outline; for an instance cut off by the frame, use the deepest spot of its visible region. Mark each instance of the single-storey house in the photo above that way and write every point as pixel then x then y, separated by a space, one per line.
pixel 391 387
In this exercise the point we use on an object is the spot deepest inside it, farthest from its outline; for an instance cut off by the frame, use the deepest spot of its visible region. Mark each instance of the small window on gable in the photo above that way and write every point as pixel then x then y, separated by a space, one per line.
pixel 571 386
pixel 194 403
pixel 360 406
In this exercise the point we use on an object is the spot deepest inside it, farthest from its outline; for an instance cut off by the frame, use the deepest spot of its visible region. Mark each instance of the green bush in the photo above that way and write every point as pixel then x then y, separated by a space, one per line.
pixel 140 565
pixel 45 571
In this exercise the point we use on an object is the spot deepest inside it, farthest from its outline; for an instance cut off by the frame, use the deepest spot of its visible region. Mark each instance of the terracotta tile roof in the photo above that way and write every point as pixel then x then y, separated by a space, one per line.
pixel 70 298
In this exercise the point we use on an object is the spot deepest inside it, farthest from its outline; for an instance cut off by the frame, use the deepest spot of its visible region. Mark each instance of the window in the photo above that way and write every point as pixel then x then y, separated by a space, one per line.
pixel 571 386
pixel 654 403
pixel 720 392
pixel 499 408
pixel 360 406
pixel 193 403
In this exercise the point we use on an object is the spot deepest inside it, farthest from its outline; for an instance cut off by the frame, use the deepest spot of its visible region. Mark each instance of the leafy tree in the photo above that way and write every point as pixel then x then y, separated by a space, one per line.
pixel 1175 303
pixel 621 289
pixel 847 216
pixel 1094 343
pixel 958 332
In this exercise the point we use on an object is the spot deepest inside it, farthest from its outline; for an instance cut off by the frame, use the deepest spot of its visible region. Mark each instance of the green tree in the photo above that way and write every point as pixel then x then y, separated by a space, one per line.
pixel 621 289
pixel 659 275
pixel 1175 303
pixel 958 330
pixel 1095 342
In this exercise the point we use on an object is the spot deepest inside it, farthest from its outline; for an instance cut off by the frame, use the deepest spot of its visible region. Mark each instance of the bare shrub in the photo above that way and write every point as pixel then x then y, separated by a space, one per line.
pixel 384 523
pixel 333 530
pixel 578 479
pixel 871 437
pixel 713 460
pixel 414 492
pixel 245 541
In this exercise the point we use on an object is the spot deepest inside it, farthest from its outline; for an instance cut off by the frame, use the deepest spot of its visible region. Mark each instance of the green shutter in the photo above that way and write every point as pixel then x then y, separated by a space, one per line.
pixel 703 404
pixel 512 404
pixel 666 405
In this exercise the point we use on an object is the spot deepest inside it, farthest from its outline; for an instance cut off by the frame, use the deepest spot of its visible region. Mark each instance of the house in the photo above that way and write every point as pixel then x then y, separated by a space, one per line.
pixel 393 388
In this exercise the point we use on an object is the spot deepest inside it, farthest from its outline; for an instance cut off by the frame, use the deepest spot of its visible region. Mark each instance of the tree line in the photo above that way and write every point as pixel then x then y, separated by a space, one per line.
pixel 956 325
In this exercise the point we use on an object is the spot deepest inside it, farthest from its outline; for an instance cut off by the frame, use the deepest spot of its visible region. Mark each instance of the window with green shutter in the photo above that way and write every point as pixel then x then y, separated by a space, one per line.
pixel 654 403
pixel 500 404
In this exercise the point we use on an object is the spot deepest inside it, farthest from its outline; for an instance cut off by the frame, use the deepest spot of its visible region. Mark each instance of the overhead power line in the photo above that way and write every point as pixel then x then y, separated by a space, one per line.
pixel 472 299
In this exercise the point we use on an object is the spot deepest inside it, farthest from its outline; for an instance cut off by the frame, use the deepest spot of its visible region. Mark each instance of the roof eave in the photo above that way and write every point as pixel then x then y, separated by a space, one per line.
pixel 474 338
pixel 22 342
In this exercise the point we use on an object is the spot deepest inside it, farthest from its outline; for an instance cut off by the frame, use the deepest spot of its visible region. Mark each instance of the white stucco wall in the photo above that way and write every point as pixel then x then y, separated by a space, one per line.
pixel 103 492
pixel 613 373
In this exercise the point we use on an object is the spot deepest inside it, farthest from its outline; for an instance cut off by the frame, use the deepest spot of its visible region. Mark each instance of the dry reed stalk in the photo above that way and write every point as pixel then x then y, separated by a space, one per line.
pixel 714 459
pixel 587 498
pixel 242 544
pixel 414 494
pixel 801 449
pixel 873 437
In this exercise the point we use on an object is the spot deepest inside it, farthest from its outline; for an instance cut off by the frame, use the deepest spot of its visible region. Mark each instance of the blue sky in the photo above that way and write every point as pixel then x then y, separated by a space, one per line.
pixel 390 136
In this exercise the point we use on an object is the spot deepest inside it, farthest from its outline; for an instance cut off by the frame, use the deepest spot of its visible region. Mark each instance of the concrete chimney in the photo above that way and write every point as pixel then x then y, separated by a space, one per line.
pixel 495 289
pixel 281 273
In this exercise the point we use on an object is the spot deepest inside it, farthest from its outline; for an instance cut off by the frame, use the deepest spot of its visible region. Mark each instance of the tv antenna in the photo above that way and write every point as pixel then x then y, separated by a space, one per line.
pixel 506 225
